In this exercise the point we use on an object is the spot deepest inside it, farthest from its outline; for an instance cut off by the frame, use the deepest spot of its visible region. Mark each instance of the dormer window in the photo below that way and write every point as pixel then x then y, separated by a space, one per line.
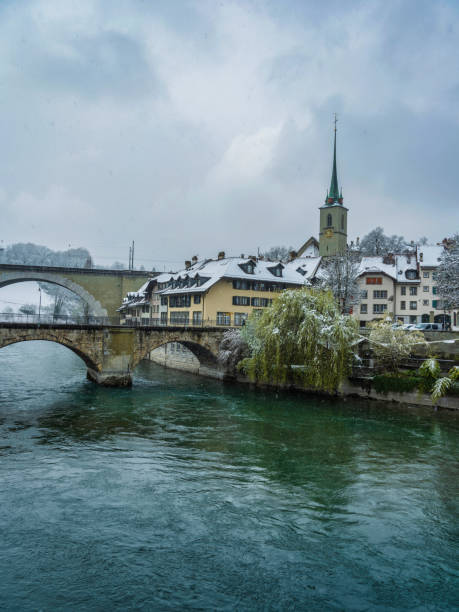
pixel 301 271
pixel 411 274
pixel 276 270
pixel 249 267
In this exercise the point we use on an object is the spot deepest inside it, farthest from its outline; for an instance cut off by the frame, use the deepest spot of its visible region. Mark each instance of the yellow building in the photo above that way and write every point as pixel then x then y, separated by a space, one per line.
pixel 225 291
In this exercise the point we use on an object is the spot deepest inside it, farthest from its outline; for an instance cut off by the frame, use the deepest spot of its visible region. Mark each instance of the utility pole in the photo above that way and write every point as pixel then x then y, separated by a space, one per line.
pixel 131 256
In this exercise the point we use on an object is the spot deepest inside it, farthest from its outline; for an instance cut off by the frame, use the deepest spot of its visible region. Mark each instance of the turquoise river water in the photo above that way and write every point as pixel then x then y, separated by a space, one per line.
pixel 184 493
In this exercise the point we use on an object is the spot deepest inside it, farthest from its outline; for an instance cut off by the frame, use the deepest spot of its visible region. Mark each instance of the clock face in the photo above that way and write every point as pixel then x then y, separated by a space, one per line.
pixel 329 233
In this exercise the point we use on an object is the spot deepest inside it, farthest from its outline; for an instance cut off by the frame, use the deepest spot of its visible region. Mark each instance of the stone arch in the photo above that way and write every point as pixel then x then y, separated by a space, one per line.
pixel 10 278
pixel 204 355
pixel 88 360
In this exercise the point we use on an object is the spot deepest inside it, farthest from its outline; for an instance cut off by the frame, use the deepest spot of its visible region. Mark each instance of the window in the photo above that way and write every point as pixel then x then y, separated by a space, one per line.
pixel 379 308
pixel 179 301
pixel 403 290
pixel 425 302
pixel 197 317
pixel 434 276
pixel 403 305
pixel 223 318
pixel 363 308
pixel 242 284
pixel 425 289
pixel 434 290
pixel 263 302
pixel 248 267
pixel 276 270
pixel 434 303
pixel 179 318
pixel 164 317
pixel 329 220
pixel 413 305
pixel 146 309
pixel 425 274
pixel 164 300
pixel 239 318
pixel 260 286
pixel 363 323
pixel 379 294
pixel 411 274
pixel 413 290
pixel 342 222
pixel 241 300
pixel 364 294
pixel 197 299
pixel 374 280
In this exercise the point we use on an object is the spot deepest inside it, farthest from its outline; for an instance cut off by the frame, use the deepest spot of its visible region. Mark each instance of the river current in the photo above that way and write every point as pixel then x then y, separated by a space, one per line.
pixel 186 493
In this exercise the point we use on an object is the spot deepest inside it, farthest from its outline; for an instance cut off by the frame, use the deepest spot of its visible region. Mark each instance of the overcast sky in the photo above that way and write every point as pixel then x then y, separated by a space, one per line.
pixel 194 126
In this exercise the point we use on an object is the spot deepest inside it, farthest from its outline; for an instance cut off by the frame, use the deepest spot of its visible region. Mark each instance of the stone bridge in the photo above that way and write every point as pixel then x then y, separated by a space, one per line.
pixel 102 290
pixel 112 353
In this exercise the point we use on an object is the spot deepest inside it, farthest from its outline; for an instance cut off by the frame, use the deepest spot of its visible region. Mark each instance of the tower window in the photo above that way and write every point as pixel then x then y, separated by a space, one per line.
pixel 342 221
pixel 329 220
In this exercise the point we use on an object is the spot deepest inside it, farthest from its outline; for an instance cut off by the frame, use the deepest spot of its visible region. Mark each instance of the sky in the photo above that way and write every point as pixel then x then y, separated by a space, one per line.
pixel 195 126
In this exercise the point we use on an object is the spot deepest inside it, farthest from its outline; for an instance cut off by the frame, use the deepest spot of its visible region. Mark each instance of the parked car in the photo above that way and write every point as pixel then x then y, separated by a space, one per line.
pixel 430 326
pixel 408 326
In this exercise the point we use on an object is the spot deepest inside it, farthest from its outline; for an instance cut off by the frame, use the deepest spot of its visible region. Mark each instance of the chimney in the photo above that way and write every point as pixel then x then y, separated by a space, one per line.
pixel 292 255
pixel 253 257
pixel 242 256
pixel 194 259
pixel 221 255
pixel 357 241
pixel 421 256
pixel 187 265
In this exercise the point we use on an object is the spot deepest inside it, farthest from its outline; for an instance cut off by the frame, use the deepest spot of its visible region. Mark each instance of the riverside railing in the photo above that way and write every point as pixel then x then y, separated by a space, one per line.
pixel 95 321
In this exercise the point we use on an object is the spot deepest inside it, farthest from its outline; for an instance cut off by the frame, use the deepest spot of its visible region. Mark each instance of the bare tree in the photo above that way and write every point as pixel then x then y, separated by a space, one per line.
pixel 340 274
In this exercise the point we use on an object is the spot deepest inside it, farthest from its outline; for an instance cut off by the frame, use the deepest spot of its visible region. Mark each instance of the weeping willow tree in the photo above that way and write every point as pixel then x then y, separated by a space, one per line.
pixel 302 338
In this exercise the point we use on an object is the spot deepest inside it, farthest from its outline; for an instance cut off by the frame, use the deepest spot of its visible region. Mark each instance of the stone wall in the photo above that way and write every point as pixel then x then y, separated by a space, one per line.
pixel 177 356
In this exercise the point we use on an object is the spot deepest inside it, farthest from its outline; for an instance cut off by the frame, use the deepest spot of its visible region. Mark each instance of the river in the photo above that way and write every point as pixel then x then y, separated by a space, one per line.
pixel 187 493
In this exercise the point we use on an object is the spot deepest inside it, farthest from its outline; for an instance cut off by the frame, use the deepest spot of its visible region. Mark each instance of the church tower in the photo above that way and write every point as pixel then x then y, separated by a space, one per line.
pixel 333 217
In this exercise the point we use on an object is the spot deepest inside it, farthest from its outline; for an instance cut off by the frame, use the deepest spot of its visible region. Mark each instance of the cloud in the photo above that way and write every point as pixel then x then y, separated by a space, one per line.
pixel 196 126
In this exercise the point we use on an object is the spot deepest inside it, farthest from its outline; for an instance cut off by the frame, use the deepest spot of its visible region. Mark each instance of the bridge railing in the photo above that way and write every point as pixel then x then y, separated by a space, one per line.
pixel 90 320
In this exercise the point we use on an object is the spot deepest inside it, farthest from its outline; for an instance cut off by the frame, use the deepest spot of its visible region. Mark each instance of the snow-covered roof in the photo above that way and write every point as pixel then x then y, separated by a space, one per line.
pixel 307 265
pixel 377 265
pixel 430 256
pixel 204 274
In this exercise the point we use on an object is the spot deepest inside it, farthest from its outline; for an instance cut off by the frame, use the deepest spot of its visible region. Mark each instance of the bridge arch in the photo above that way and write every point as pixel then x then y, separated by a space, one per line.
pixel 205 352
pixel 10 278
pixel 88 359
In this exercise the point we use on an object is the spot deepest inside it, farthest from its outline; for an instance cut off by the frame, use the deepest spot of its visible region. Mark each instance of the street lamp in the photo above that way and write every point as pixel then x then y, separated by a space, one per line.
pixel 39 305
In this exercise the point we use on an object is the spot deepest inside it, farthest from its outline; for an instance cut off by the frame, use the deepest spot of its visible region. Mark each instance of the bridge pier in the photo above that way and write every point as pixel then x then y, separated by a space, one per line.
pixel 110 379
pixel 115 365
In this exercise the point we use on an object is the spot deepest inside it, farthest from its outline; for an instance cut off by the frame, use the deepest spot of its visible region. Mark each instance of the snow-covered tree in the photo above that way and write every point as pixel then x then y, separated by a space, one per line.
pixel 277 253
pixel 301 338
pixel 377 243
pixel 233 348
pixel 391 346
pixel 340 274
pixel 448 274
pixel 28 309
pixel 38 255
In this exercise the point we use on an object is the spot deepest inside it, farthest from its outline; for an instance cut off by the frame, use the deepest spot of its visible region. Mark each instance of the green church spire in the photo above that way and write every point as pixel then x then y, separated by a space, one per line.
pixel 334 195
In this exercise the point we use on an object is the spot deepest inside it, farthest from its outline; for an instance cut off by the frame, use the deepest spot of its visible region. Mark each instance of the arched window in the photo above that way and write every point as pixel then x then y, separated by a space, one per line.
pixel 342 221
pixel 329 220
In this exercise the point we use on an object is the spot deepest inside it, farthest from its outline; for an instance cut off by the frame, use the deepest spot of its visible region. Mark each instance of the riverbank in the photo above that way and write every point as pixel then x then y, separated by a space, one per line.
pixel 181 359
